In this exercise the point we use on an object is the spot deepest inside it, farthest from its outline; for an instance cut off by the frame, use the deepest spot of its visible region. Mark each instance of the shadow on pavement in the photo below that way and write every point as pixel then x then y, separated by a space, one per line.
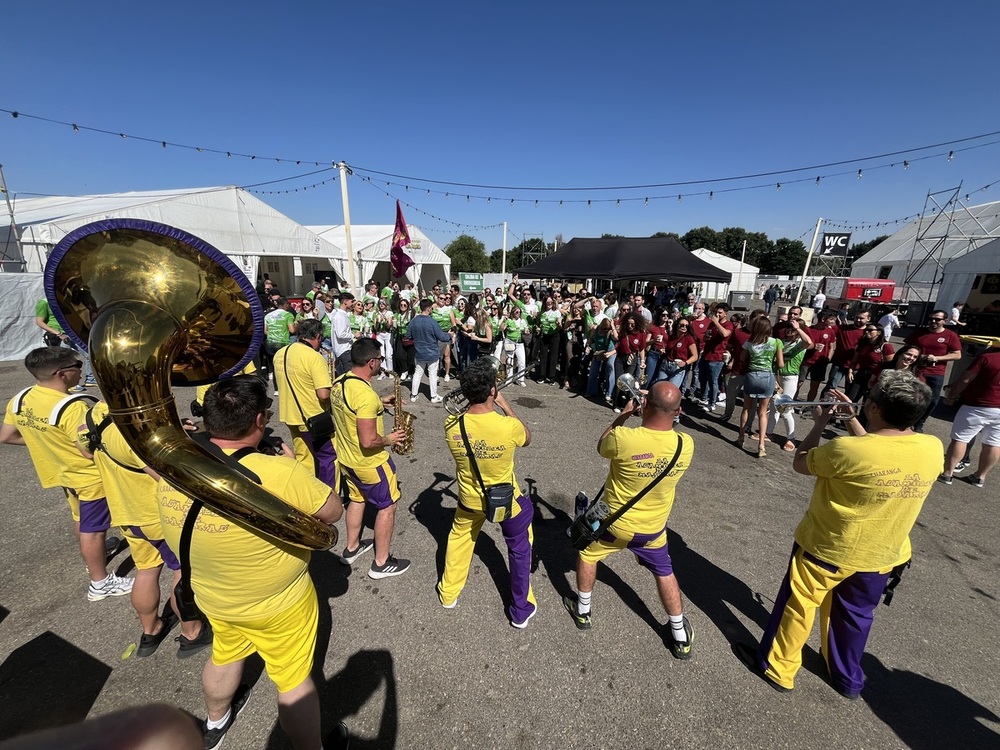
pixel 926 714
pixel 551 547
pixel 346 692
pixel 48 682
pixel 331 579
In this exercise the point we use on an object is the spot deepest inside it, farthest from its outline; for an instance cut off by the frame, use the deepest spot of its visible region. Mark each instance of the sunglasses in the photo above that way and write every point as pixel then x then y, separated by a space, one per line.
pixel 77 366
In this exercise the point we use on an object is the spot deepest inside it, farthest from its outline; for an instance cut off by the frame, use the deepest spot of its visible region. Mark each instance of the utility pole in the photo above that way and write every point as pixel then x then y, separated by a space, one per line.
pixel 13 224
pixel 352 271
pixel 503 262
pixel 812 249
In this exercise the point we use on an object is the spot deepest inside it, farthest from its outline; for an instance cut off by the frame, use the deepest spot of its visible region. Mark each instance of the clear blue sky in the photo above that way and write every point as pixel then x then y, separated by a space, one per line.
pixel 539 94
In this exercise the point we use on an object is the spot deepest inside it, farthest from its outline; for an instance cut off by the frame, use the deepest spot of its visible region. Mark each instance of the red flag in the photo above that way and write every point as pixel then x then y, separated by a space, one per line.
pixel 398 258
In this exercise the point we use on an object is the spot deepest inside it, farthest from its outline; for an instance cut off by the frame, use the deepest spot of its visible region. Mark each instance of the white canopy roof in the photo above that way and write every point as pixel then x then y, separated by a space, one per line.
pixel 744 280
pixel 372 243
pixel 234 221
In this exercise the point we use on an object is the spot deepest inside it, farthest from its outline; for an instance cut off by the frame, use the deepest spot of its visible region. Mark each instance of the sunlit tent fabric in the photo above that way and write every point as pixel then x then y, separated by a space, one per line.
pixel 624 258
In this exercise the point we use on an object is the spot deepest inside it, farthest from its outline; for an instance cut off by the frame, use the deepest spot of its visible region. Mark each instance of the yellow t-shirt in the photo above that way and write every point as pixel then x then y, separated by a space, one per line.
pixel 352 399
pixel 237 574
pixel 638 455
pixel 201 390
pixel 307 371
pixel 131 494
pixel 869 491
pixel 52 448
pixel 493 438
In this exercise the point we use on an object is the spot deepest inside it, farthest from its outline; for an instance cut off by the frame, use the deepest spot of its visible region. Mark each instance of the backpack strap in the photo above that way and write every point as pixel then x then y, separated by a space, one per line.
pixel 60 408
pixel 343 390
pixel 19 399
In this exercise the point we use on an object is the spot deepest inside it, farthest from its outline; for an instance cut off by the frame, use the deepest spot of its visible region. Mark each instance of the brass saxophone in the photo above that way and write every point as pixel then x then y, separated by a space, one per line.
pixel 331 361
pixel 403 420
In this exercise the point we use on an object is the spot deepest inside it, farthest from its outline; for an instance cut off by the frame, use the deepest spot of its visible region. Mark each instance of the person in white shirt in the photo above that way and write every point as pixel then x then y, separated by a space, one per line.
pixel 341 337
pixel 819 302
pixel 889 322
pixel 956 312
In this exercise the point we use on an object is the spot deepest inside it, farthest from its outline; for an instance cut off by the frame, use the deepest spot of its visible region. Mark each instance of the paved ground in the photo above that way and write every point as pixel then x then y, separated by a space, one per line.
pixel 405 673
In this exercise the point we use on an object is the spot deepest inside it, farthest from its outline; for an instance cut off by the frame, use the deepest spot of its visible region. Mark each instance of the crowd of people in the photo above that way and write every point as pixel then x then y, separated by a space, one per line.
pixel 239 591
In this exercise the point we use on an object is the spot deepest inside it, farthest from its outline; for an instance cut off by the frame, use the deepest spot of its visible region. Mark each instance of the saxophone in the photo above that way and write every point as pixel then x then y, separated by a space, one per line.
pixel 403 421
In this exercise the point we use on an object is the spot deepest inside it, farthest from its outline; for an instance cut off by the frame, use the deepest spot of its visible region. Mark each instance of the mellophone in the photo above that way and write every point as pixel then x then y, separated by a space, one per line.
pixel 457 404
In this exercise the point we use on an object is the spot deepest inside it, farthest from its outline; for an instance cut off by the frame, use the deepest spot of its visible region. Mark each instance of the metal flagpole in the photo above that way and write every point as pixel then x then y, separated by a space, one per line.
pixel 739 276
pixel 812 249
pixel 503 263
pixel 352 272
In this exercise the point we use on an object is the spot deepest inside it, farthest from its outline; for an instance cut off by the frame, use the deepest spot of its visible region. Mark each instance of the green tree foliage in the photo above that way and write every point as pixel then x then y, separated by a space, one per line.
pixel 786 258
pixel 515 255
pixel 468 255
pixel 703 237
pixel 860 248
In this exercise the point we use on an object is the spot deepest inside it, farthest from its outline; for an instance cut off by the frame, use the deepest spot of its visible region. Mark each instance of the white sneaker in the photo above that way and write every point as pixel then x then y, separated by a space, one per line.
pixel 275 391
pixel 436 400
pixel 414 397
pixel 447 378
pixel 110 586
pixel 523 384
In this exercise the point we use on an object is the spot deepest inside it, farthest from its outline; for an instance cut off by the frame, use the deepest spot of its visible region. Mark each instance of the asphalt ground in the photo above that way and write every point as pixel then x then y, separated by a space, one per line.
pixel 403 672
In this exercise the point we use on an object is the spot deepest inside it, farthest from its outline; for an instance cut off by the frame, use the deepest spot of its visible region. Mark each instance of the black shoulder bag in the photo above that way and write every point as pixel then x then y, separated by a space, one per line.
pixel 184 594
pixel 498 499
pixel 320 426
pixel 583 532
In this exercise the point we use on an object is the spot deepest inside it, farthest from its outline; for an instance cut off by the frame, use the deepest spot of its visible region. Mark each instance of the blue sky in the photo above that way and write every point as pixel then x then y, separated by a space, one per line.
pixel 514 94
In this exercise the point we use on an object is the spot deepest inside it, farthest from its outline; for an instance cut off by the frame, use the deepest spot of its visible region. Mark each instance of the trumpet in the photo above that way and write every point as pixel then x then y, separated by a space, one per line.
pixel 784 403
pixel 626 382
pixel 457 404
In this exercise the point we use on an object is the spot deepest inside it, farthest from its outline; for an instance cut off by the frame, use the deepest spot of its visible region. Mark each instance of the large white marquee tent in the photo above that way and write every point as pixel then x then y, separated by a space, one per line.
pixel 744 275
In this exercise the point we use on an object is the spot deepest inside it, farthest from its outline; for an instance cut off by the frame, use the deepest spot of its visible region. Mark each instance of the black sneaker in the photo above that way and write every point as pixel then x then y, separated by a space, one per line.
pixel 349 556
pixel 945 479
pixel 113 545
pixel 149 643
pixel 215 737
pixel 748 655
pixel 582 622
pixel 974 481
pixel 391 567
pixel 338 739
pixel 188 647
pixel 681 649
pixel 961 466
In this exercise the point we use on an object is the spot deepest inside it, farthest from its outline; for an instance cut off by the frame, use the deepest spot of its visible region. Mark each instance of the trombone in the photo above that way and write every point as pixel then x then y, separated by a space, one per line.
pixel 783 403
pixel 627 384
pixel 457 404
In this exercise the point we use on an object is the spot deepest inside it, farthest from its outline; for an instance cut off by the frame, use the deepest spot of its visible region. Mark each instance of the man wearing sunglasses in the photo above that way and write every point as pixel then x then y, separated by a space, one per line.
pixel 45 419
pixel 939 346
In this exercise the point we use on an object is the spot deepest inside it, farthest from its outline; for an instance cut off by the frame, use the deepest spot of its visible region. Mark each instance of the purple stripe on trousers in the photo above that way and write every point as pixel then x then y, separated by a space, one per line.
pixel 325 459
pixel 166 554
pixel 852 612
pixel 780 602
pixel 515 534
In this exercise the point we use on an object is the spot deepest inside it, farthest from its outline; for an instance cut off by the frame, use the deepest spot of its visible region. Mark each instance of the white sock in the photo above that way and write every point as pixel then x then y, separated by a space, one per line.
pixel 583 602
pixel 100 583
pixel 220 723
pixel 677 628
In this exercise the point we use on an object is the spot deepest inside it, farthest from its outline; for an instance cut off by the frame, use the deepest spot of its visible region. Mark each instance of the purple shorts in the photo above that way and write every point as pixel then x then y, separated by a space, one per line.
pixel 376 485
pixel 94 516
pixel 655 559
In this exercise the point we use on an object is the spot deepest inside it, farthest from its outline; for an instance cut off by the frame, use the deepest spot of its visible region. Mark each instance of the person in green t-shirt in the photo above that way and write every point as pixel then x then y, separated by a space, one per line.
pixel 796 341
pixel 549 329
pixel 762 352
pixel 54 335
pixel 444 315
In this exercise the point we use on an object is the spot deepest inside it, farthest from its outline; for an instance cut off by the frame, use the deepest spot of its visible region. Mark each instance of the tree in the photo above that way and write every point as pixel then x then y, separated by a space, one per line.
pixel 468 255
pixel 703 237
pixel 786 258
pixel 860 248
pixel 515 255
pixel 662 235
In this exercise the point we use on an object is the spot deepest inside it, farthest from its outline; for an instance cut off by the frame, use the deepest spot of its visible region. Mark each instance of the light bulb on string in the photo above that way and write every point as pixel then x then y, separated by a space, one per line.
pixel 779 186
pixel 76 128
pixel 711 195
pixel 645 201
pixel 951 155
pixel 906 165
pixel 860 174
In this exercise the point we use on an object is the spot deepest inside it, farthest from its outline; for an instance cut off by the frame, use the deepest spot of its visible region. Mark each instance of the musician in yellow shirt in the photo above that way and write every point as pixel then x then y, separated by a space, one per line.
pixel 870 488
pixel 45 419
pixel 638 456
pixel 365 464
pixel 493 439
pixel 255 591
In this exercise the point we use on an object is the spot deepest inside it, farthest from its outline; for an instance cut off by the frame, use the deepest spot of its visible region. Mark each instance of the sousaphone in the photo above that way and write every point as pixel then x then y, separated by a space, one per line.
pixel 154 305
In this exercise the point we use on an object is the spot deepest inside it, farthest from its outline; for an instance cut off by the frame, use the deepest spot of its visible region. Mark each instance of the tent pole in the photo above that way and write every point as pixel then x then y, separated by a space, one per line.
pixel 812 249
pixel 352 272
pixel 739 276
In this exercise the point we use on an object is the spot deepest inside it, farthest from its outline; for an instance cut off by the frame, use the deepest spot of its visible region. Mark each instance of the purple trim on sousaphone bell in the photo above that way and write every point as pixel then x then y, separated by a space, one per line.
pixel 256 310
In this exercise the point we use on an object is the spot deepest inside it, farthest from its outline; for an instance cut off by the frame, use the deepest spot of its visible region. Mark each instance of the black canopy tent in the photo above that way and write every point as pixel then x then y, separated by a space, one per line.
pixel 623 259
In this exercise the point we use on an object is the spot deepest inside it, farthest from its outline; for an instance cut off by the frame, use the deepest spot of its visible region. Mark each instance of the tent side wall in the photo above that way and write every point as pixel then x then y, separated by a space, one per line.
pixel 19 292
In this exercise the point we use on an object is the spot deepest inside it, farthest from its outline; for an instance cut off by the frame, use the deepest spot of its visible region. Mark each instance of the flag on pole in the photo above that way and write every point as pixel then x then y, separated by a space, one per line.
pixel 398 258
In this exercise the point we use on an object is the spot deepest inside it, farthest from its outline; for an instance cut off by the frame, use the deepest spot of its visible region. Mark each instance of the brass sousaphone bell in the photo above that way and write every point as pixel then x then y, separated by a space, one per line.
pixel 155 305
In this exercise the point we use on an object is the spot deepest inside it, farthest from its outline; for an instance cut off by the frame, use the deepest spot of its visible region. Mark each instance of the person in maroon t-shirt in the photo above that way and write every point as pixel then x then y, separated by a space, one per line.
pixel 872 352
pixel 699 324
pixel 680 352
pixel 712 360
pixel 657 335
pixel 824 337
pixel 736 367
pixel 979 389
pixel 939 346
pixel 847 340
pixel 631 351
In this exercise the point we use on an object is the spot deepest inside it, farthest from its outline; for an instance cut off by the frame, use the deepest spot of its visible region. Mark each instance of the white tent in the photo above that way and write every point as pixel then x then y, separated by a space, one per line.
pixel 917 254
pixel 743 279
pixel 242 226
pixel 973 279
pixel 371 244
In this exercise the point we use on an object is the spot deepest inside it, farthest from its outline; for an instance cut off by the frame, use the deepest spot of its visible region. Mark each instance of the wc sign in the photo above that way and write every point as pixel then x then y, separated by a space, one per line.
pixel 836 243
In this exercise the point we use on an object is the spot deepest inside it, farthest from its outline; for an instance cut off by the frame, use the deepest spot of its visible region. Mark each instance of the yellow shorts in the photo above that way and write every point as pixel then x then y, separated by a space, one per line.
pixel 285 641
pixel 376 485
pixel 148 548
pixel 74 503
